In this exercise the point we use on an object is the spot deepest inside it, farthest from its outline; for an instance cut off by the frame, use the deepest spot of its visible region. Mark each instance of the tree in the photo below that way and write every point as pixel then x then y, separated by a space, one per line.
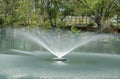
pixel 100 9
pixel 8 11
pixel 24 12
pixel 53 12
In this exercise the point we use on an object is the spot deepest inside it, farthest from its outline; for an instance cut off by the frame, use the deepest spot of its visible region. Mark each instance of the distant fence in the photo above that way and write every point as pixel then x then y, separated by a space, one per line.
pixel 77 20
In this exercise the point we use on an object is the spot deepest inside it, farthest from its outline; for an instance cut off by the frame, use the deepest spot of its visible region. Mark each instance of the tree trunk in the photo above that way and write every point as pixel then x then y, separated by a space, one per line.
pixel 98 22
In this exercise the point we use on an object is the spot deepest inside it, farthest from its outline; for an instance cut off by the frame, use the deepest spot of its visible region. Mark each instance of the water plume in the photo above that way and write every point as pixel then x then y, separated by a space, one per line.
pixel 58 42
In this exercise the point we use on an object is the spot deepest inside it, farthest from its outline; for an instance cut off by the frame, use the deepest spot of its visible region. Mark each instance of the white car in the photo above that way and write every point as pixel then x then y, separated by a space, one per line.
pixel 115 20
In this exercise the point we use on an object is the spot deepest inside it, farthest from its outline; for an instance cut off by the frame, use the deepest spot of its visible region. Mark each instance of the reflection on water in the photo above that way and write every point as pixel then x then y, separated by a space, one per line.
pixel 11 40
pixel 33 62
pixel 109 44
pixel 61 63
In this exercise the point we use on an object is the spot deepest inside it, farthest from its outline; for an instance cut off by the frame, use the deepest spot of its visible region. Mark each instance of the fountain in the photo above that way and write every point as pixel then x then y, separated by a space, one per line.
pixel 59 42
pixel 23 55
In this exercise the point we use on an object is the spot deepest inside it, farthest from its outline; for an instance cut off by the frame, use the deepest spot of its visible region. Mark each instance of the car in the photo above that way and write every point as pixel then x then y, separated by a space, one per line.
pixel 115 20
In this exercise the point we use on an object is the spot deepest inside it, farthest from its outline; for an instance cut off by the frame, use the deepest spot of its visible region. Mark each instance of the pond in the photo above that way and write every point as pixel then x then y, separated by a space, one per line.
pixel 21 58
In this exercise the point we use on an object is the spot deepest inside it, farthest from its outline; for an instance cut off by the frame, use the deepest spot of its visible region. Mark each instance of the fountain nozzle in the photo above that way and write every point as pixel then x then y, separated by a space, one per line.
pixel 59 59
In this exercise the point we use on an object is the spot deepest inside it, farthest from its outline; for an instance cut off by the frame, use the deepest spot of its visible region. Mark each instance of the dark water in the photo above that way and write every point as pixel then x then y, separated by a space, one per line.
pixel 22 59
pixel 107 43
pixel 78 66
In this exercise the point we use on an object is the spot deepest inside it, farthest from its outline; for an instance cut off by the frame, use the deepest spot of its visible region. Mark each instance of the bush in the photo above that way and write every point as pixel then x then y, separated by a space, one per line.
pixel 74 29
pixel 1 21
pixel 90 24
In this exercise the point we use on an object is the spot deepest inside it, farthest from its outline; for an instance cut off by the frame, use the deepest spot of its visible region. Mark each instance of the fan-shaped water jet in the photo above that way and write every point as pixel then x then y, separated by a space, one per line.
pixel 58 42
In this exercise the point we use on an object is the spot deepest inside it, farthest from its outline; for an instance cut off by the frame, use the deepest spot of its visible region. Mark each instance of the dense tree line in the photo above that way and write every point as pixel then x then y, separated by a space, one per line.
pixel 51 13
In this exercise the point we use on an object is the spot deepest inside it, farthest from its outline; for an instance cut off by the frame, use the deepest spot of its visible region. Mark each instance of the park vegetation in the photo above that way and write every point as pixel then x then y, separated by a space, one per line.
pixel 53 13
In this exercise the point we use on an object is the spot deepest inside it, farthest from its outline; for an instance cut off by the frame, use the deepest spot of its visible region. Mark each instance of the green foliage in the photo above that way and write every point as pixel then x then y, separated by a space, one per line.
pixel 1 21
pixel 100 9
pixel 74 29
pixel 51 13
pixel 90 24
pixel 46 25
